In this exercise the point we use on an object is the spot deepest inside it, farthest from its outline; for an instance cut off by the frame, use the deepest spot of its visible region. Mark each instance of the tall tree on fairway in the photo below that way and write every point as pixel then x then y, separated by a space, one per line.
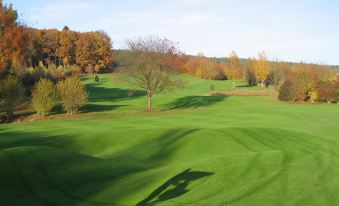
pixel 146 65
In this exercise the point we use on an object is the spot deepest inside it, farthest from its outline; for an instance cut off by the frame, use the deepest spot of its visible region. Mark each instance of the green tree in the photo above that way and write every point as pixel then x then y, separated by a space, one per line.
pixel 72 93
pixel 44 97
pixel 11 92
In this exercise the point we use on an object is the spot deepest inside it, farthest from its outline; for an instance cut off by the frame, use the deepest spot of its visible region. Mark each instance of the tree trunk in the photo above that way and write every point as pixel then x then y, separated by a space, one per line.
pixel 233 83
pixel 8 115
pixel 149 103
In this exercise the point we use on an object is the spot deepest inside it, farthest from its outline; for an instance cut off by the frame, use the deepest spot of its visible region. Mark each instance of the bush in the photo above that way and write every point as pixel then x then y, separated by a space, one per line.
pixel 31 75
pixel 212 89
pixel 286 91
pixel 43 97
pixel 11 92
pixel 96 78
pixel 72 93
pixel 249 76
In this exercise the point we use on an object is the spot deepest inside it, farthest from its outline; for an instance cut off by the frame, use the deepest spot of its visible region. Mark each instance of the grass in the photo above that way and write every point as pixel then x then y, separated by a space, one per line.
pixel 193 150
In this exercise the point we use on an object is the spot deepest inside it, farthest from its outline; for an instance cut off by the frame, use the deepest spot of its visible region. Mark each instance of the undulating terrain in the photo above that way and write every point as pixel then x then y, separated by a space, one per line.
pixel 193 149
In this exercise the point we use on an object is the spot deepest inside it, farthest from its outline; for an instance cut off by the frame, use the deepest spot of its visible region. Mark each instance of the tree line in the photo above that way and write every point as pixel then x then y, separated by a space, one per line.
pixel 22 47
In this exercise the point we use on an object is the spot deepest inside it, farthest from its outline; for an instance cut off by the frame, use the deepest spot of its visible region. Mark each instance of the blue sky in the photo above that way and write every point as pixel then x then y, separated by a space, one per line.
pixel 293 30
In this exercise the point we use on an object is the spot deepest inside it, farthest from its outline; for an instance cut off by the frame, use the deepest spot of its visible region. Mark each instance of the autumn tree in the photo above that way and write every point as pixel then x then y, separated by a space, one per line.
pixel 103 51
pixel 13 40
pixel 248 72
pixel 50 45
pixel 203 67
pixel 44 97
pixel 11 93
pixel 146 66
pixel 261 69
pixel 94 51
pixel 72 93
pixel 66 50
pixel 326 92
pixel 232 68
pixel 279 73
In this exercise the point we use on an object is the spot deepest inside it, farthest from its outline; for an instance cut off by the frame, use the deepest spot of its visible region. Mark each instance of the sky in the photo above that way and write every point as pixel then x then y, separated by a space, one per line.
pixel 287 30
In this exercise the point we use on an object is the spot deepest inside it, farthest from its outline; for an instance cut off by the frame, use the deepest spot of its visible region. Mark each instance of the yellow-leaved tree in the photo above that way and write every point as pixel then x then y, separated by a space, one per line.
pixel 232 68
pixel 261 69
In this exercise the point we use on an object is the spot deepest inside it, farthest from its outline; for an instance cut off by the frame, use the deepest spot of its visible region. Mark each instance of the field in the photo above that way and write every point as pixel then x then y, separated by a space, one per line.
pixel 193 149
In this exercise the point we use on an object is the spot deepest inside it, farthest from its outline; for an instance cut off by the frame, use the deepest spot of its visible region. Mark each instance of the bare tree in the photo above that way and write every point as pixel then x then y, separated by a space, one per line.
pixel 146 65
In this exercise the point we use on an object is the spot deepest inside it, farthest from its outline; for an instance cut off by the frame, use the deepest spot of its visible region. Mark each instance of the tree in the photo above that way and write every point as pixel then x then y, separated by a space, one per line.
pixel 44 96
pixel 146 67
pixel 203 67
pixel 103 51
pixel 11 92
pixel 72 93
pixel 248 74
pixel 326 92
pixel 279 73
pixel 94 51
pixel 261 69
pixel 66 50
pixel 232 69
pixel 50 44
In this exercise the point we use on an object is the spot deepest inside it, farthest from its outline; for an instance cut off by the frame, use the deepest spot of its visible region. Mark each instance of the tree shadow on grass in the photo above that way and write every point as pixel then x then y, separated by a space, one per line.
pixel 244 86
pixel 99 108
pixel 174 187
pixel 192 102
pixel 99 93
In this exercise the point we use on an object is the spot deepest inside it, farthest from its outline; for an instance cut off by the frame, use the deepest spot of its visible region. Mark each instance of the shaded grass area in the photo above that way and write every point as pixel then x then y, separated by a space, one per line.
pixel 192 102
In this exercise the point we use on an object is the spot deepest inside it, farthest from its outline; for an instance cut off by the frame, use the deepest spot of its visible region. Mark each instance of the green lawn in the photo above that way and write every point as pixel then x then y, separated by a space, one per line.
pixel 192 150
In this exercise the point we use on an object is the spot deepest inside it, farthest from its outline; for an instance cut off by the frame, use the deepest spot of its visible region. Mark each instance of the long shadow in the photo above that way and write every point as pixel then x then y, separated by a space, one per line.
pixel 174 187
pixel 98 93
pixel 245 86
pixel 90 107
pixel 99 108
pixel 194 102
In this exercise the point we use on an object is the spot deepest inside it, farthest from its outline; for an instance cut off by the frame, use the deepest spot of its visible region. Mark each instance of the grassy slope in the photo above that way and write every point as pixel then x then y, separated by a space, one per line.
pixel 199 151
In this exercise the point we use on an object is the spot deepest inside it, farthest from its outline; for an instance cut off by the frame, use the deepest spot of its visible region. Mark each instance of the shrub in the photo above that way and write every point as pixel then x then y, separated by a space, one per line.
pixel 72 93
pixel 96 78
pixel 43 97
pixel 249 76
pixel 74 70
pixel 31 75
pixel 286 91
pixel 212 89
pixel 11 92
